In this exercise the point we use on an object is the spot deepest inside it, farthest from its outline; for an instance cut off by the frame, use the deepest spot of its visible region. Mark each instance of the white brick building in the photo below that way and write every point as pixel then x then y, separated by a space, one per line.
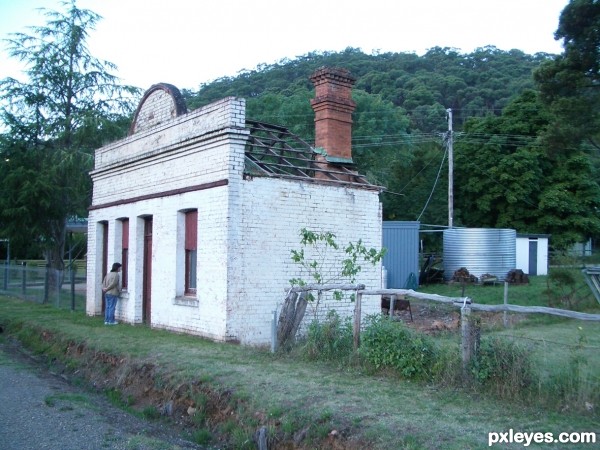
pixel 203 208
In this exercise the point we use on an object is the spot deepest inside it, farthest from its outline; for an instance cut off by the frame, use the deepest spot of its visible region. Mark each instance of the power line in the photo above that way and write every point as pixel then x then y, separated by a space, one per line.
pixel 434 185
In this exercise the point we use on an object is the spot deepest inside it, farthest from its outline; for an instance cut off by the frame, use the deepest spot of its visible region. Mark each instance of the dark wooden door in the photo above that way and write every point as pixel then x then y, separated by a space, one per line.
pixel 533 256
pixel 104 257
pixel 146 296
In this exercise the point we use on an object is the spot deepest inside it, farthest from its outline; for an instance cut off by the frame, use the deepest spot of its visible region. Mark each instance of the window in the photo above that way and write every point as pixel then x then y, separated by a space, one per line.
pixel 191 254
pixel 124 253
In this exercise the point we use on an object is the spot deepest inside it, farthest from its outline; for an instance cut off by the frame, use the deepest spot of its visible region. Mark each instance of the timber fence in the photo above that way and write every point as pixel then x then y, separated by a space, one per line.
pixel 469 335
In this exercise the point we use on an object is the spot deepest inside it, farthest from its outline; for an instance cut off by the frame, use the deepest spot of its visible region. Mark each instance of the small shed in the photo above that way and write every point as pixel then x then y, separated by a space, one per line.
pixel 401 261
pixel 532 253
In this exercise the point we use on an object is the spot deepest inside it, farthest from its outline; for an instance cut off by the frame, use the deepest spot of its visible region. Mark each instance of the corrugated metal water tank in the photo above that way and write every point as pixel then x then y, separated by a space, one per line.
pixel 480 250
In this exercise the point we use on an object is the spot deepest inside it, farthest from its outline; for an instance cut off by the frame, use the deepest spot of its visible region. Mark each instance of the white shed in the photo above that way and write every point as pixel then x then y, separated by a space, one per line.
pixel 532 253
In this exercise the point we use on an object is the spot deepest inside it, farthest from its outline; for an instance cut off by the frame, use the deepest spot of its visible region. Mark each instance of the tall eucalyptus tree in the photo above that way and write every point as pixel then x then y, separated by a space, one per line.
pixel 67 104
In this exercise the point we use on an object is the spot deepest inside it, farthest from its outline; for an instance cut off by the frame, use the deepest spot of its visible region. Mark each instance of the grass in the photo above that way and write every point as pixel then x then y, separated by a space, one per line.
pixel 64 401
pixel 374 410
pixel 538 292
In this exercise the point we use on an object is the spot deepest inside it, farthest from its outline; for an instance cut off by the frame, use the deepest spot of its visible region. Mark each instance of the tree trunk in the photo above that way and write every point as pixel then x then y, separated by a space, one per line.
pixel 54 254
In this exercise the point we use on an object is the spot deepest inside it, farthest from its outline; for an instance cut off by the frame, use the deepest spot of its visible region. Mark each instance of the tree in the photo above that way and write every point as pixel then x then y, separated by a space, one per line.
pixel 570 89
pixel 69 105
pixel 570 83
pixel 507 175
pixel 322 262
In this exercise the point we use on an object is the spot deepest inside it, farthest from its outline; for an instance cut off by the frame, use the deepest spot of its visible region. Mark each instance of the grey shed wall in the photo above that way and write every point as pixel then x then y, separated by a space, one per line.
pixel 402 258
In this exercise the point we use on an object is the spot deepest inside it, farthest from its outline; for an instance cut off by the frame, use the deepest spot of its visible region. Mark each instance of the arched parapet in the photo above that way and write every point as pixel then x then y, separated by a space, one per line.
pixel 160 103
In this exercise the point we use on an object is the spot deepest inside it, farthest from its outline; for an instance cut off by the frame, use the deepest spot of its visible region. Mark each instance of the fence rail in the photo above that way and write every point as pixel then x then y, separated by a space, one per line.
pixel 592 278
pixel 464 303
pixel 62 289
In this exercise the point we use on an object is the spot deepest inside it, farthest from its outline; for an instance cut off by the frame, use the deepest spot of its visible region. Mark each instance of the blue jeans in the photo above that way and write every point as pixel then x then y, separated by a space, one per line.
pixel 111 305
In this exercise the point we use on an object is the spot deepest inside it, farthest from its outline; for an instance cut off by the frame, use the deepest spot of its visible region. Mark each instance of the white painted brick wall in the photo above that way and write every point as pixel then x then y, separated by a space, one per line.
pixel 184 133
pixel 273 212
pixel 246 229
pixel 204 146
pixel 159 107
pixel 207 318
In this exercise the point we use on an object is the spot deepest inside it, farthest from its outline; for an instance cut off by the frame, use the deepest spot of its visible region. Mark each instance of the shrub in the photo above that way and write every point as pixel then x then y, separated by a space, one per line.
pixel 562 288
pixel 502 366
pixel 387 344
pixel 447 367
pixel 573 387
pixel 329 340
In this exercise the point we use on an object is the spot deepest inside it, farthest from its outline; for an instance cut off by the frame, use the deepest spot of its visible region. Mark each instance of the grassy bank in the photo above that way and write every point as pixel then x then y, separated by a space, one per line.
pixel 233 391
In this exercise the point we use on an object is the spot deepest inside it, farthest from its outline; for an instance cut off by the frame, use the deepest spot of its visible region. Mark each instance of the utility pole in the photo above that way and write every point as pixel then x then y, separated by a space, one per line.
pixel 450 171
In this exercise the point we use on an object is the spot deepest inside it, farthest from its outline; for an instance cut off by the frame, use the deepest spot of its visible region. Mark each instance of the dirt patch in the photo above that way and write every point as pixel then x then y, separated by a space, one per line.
pixel 435 318
pixel 429 318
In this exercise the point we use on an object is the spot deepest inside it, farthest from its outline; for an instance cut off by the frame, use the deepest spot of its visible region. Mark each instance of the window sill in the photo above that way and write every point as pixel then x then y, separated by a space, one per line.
pixel 186 301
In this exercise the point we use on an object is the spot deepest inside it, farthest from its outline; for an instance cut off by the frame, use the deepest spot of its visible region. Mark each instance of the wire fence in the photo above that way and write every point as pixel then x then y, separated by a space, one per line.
pixel 41 284
pixel 546 355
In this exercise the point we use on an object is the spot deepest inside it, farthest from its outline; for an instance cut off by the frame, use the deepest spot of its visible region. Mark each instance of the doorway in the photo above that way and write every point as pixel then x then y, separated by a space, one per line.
pixel 533 256
pixel 104 226
pixel 147 289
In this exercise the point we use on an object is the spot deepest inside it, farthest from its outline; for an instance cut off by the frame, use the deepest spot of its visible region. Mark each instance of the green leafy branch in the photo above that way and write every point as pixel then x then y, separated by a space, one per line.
pixel 322 267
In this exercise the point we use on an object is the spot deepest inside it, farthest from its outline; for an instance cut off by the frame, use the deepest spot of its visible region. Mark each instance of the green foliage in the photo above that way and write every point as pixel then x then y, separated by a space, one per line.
pixel 569 89
pixel 202 436
pixel 515 181
pixel 151 413
pixel 503 366
pixel 573 386
pixel 69 105
pixel 115 397
pixel 319 263
pixel 387 344
pixel 329 340
pixel 526 159
pixel 420 88
pixel 566 288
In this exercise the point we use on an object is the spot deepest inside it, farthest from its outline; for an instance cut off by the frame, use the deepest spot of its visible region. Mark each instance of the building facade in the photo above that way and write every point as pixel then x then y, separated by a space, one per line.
pixel 203 208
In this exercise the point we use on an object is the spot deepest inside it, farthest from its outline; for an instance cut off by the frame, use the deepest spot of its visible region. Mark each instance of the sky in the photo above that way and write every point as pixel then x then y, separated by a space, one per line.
pixel 191 42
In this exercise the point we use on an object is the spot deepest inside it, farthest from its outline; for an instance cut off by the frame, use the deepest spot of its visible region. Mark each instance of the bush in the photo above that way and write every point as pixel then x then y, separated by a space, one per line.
pixel 573 387
pixel 502 366
pixel 562 288
pixel 447 368
pixel 329 340
pixel 388 344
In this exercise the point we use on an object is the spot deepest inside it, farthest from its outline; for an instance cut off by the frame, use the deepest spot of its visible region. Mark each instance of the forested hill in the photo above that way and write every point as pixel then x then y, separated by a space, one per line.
pixel 524 145
pixel 422 87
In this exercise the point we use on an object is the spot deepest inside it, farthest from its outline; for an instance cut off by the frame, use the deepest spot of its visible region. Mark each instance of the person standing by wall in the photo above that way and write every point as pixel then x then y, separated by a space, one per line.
pixel 111 286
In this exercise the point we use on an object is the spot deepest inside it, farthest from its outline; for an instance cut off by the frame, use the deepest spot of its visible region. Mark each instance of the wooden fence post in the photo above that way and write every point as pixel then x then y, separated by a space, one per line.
pixel 24 278
pixel 357 314
pixel 505 316
pixel 466 338
pixel 392 305
pixel 46 284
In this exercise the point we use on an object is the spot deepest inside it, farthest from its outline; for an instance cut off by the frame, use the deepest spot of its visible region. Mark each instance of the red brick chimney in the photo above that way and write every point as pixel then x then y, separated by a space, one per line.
pixel 333 108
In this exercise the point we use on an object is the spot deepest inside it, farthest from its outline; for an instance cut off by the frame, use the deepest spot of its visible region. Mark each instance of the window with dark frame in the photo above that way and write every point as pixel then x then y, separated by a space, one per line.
pixel 125 253
pixel 191 253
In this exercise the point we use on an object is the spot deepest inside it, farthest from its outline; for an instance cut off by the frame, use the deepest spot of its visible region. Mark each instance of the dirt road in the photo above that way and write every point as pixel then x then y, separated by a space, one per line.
pixel 39 410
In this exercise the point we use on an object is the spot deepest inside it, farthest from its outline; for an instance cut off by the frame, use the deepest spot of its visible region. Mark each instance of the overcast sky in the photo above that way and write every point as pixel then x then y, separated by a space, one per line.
pixel 190 42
